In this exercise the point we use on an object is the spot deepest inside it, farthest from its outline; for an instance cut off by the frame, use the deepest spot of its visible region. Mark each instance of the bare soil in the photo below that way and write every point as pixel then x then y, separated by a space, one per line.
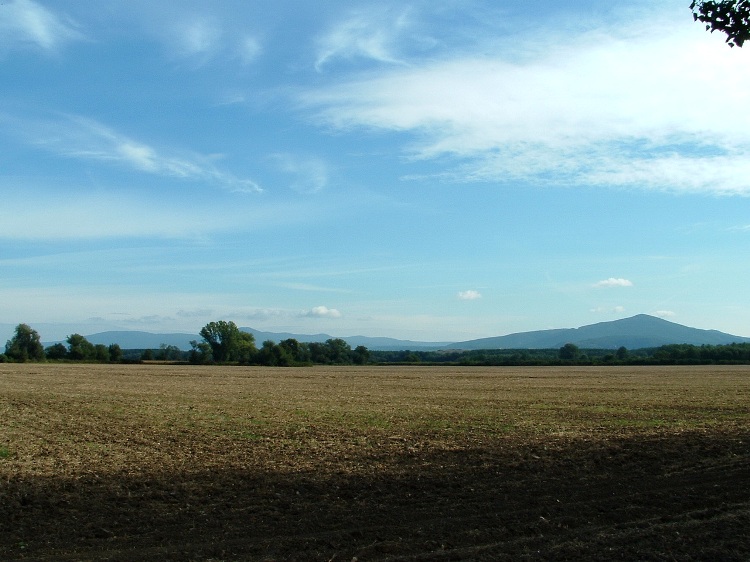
pixel 161 462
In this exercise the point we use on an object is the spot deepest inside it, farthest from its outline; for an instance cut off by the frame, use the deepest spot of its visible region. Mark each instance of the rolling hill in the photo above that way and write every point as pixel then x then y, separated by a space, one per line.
pixel 636 332
pixel 374 343
pixel 148 340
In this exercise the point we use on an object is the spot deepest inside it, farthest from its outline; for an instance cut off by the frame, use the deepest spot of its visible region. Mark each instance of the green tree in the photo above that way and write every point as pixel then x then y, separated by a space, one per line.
pixel 319 353
pixel 25 345
pixel 101 352
pixel 731 17
pixel 299 352
pixel 56 351
pixel 569 352
pixel 169 353
pixel 227 342
pixel 274 355
pixel 339 352
pixel 79 348
pixel 115 353
pixel 361 355
pixel 621 353
pixel 246 348
pixel 412 357
pixel 200 353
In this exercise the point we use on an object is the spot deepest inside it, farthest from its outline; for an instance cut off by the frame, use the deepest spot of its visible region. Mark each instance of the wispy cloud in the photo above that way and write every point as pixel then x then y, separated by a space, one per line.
pixel 614 282
pixel 370 34
pixel 309 174
pixel 608 310
pixel 322 312
pixel 195 313
pixel 605 108
pixel 249 49
pixel 129 213
pixel 196 37
pixel 312 288
pixel 665 313
pixel 469 295
pixel 107 216
pixel 24 23
pixel 82 138
pixel 261 314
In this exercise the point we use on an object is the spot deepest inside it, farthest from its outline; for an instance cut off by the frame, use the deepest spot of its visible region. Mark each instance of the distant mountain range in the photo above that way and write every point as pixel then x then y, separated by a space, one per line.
pixel 374 343
pixel 636 332
pixel 148 340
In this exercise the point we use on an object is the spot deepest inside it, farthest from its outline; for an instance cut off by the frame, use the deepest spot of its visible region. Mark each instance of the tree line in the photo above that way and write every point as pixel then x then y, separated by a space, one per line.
pixel 571 354
pixel 222 343
pixel 26 345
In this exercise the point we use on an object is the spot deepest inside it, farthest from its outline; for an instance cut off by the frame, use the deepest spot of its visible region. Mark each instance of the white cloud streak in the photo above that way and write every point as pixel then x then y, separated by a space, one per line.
pixel 86 139
pixel 606 108
pixel 313 288
pixel 608 310
pixel 614 282
pixel 25 23
pixel 370 34
pixel 249 49
pixel 109 215
pixel 197 37
pixel 469 295
pixel 309 174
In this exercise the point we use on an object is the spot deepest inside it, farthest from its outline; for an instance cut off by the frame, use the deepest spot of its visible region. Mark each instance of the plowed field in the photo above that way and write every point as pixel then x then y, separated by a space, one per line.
pixel 162 462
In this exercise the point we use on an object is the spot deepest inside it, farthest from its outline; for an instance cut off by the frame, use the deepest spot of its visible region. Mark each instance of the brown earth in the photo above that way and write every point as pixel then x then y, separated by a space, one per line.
pixel 374 463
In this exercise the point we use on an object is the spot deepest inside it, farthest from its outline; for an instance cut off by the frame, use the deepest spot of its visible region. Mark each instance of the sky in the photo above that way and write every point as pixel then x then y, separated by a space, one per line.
pixel 436 170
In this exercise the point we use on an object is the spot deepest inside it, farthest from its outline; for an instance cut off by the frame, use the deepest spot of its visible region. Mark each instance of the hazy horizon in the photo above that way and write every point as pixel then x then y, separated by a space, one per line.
pixel 67 330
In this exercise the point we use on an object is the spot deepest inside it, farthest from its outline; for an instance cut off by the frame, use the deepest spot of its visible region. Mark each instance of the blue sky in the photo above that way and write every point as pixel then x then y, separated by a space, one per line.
pixel 438 171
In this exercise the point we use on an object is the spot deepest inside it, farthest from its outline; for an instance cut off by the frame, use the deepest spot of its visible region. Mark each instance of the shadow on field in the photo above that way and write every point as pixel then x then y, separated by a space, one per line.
pixel 684 498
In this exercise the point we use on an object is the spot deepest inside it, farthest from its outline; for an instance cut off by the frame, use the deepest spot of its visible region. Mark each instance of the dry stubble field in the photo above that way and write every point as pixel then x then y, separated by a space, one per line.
pixel 162 462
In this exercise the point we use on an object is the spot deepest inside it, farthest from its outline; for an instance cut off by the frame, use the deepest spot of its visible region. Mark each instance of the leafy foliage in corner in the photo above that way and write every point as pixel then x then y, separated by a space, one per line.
pixel 731 17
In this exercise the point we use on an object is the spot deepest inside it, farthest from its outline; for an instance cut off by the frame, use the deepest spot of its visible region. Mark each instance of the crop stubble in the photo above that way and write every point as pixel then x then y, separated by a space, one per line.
pixel 376 463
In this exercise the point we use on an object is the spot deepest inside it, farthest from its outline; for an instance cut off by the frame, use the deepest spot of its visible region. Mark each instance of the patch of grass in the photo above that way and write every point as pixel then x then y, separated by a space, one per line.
pixel 4 452
pixel 249 435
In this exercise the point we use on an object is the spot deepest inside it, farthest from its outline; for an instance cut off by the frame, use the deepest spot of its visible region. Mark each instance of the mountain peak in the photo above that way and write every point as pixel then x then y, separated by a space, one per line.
pixel 641 330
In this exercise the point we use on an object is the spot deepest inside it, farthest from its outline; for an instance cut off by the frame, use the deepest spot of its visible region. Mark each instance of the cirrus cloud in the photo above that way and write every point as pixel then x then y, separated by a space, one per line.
pixel 308 174
pixel 24 22
pixel 82 138
pixel 372 34
pixel 603 108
